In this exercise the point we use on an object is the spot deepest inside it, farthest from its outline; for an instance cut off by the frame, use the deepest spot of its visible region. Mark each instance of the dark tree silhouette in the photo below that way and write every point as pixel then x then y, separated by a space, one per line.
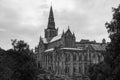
pixel 18 63
pixel 110 68
pixel 112 57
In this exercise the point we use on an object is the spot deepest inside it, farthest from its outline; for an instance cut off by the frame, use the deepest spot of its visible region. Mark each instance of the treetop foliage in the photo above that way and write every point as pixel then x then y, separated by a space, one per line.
pixel 18 63
pixel 110 68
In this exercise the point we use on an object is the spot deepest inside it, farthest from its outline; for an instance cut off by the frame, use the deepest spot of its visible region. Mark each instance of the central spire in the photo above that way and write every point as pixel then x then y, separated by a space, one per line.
pixel 51 31
pixel 51 23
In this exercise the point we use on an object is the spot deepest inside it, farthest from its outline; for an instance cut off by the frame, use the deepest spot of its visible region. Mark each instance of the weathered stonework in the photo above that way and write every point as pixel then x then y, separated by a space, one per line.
pixel 62 56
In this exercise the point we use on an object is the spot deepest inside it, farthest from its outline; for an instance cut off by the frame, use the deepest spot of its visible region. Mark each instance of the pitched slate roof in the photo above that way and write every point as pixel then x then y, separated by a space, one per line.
pixel 45 40
pixel 51 49
pixel 75 49
pixel 56 38
pixel 98 47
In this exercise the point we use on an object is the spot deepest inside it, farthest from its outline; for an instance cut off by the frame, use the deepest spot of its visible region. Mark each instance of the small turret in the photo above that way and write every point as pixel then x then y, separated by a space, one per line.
pixel 40 38
pixel 63 33
pixel 73 34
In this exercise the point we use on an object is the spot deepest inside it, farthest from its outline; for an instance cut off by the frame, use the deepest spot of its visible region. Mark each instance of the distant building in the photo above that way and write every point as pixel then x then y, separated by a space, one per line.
pixel 62 56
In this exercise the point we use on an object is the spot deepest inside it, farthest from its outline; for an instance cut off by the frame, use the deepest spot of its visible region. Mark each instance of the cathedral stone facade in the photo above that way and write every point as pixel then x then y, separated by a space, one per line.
pixel 65 58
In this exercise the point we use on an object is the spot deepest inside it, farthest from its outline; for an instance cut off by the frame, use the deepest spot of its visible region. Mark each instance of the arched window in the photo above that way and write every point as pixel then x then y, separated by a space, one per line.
pixel 80 57
pixel 80 70
pixel 94 58
pixel 86 68
pixel 38 64
pixel 74 69
pixel 66 69
pixel 85 57
pixel 74 57
pixel 67 57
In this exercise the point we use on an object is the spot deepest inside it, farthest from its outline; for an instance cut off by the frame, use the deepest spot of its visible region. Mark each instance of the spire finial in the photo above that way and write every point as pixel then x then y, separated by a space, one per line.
pixel 51 23
pixel 51 2
pixel 68 27
pixel 63 33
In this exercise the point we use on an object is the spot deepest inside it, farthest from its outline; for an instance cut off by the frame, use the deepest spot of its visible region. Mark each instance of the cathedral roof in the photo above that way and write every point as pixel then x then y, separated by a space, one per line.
pixel 53 39
pixel 48 50
pixel 98 47
pixel 72 49
pixel 45 40
pixel 56 38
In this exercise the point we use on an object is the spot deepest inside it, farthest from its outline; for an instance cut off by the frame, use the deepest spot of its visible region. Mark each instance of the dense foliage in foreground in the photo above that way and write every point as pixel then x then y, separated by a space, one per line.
pixel 17 63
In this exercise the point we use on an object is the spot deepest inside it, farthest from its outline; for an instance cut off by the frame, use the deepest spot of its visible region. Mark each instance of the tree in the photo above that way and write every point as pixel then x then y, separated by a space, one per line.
pixel 110 68
pixel 19 45
pixel 18 63
pixel 5 71
pixel 112 57
pixel 26 65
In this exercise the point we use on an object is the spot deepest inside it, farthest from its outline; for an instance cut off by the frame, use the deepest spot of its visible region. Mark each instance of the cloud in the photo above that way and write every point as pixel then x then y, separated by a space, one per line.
pixel 2 30
pixel 27 19
pixel 22 19
pixel 88 17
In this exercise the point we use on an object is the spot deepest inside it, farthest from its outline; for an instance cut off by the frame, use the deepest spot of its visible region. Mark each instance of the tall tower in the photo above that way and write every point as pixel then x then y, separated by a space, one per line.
pixel 51 31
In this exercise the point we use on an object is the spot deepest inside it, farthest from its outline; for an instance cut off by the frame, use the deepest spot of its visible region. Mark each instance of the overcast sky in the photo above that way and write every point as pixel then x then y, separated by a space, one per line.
pixel 27 19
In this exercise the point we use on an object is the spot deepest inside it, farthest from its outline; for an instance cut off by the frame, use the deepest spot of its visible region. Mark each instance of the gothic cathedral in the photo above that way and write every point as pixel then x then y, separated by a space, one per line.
pixel 61 55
